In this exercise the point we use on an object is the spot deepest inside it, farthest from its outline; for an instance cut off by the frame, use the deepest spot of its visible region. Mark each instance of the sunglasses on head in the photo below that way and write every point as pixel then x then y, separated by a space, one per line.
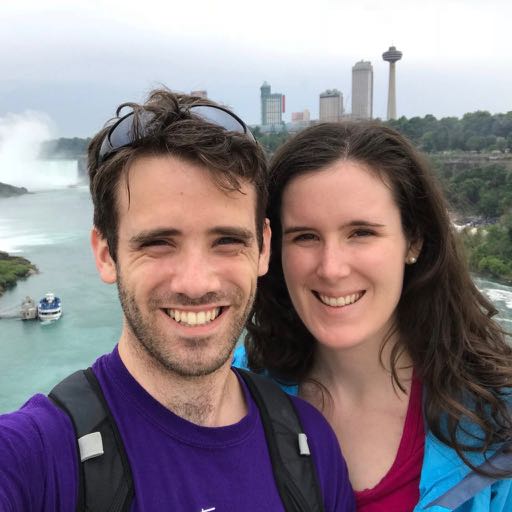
pixel 122 133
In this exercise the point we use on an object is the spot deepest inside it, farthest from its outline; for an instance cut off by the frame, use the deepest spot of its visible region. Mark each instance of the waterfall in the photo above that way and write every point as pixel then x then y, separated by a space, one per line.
pixel 21 136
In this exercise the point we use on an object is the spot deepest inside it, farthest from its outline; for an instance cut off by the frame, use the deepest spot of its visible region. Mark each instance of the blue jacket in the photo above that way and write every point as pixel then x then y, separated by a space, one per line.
pixel 446 483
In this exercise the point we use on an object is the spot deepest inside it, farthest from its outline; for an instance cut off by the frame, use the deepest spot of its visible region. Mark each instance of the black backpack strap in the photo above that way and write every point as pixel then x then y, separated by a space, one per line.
pixel 295 474
pixel 105 480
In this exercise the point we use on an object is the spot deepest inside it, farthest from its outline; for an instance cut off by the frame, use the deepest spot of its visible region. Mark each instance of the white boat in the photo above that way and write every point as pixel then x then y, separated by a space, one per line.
pixel 49 307
pixel 28 309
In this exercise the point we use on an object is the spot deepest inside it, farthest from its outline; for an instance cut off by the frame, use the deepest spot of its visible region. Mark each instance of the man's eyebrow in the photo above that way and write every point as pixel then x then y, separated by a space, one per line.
pixel 145 236
pixel 152 234
pixel 351 224
pixel 236 232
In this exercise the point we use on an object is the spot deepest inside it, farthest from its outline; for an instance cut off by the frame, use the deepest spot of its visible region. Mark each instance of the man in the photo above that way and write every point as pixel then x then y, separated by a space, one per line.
pixel 178 186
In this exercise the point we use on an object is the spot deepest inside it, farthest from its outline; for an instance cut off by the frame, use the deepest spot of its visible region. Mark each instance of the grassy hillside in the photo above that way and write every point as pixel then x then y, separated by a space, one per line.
pixel 13 268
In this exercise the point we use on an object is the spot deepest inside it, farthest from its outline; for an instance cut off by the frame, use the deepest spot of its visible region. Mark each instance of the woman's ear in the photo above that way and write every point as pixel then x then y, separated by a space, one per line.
pixel 414 251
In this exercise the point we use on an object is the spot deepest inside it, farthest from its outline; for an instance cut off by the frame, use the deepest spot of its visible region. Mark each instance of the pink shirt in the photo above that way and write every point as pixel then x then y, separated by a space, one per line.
pixel 398 491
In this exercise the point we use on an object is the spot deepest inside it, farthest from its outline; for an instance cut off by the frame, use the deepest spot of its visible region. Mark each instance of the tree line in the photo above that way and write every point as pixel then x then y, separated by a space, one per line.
pixel 475 131
pixel 489 249
pixel 481 197
pixel 65 148
pixel 479 190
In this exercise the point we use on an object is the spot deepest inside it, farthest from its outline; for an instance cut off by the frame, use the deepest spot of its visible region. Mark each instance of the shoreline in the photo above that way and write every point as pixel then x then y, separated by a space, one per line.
pixel 495 279
pixel 7 191
pixel 12 269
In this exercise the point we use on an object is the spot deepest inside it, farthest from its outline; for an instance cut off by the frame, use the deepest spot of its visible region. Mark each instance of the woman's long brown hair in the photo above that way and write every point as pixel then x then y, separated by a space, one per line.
pixel 443 321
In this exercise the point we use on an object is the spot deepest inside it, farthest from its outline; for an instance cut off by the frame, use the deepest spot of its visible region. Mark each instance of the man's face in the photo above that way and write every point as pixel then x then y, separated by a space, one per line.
pixel 187 263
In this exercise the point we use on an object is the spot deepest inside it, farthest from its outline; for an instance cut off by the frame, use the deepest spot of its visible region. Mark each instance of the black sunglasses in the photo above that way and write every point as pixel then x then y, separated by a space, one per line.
pixel 122 133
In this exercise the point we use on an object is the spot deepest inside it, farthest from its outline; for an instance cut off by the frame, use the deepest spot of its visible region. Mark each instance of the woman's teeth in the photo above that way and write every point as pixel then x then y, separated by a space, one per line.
pixel 340 301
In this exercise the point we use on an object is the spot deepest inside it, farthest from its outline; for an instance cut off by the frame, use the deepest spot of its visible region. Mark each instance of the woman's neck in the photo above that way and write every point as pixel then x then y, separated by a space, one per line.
pixel 360 373
pixel 354 389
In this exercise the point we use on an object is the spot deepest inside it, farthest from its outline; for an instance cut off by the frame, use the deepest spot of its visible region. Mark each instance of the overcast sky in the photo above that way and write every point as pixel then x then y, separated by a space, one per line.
pixel 76 60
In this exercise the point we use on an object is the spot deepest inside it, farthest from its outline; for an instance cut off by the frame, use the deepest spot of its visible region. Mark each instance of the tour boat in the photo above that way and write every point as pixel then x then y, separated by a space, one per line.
pixel 49 307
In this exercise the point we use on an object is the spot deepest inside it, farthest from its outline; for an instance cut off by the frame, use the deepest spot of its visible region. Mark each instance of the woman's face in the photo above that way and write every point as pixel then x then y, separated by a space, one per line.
pixel 343 253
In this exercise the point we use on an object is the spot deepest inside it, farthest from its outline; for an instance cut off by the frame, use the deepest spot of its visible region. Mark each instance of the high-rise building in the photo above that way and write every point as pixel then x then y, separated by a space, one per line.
pixel 300 120
pixel 200 94
pixel 301 117
pixel 272 106
pixel 392 56
pixel 362 90
pixel 331 106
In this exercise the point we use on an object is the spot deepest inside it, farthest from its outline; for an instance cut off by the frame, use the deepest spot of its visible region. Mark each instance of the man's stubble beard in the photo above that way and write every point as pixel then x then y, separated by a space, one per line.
pixel 155 344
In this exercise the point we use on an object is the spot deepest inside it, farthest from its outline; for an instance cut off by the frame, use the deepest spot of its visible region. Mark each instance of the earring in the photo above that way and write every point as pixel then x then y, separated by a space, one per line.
pixel 411 260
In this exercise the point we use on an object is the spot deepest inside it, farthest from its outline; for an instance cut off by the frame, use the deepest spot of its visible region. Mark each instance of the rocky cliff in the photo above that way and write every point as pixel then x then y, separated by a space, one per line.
pixel 10 190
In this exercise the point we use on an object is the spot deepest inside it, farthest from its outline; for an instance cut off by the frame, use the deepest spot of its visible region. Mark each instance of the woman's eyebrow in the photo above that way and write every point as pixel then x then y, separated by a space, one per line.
pixel 352 223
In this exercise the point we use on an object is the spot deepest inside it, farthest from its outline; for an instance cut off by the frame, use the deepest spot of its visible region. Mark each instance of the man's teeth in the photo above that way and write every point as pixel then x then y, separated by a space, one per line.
pixel 340 301
pixel 193 317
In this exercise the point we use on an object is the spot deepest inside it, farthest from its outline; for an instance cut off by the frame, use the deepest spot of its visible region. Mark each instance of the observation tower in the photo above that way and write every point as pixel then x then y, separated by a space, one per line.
pixel 392 56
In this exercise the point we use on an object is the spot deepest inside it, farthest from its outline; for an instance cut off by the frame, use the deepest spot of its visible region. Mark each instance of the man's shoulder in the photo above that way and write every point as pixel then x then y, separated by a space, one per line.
pixel 315 424
pixel 38 454
pixel 38 415
pixel 37 427
pixel 332 471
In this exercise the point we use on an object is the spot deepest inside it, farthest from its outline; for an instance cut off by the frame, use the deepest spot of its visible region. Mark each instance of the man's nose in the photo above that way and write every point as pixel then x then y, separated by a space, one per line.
pixel 194 274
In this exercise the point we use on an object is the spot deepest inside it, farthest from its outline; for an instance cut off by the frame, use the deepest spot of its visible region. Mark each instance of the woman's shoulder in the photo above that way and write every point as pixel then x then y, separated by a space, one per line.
pixel 240 361
pixel 240 358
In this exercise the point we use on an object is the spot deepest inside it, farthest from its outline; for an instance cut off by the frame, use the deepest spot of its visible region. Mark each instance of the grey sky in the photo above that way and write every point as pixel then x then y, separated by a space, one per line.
pixel 76 60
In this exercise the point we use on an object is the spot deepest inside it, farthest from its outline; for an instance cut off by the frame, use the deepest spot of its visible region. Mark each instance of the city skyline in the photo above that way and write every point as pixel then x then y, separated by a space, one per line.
pixel 73 63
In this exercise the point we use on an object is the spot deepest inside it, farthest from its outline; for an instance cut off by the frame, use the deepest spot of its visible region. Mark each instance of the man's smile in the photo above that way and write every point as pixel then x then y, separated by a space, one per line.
pixel 193 318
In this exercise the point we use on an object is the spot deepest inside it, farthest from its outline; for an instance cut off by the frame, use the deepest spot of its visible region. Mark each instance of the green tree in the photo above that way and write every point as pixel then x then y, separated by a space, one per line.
pixel 475 143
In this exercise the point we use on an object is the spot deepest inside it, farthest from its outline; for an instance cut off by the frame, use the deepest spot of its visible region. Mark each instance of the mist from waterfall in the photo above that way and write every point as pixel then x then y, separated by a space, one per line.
pixel 21 136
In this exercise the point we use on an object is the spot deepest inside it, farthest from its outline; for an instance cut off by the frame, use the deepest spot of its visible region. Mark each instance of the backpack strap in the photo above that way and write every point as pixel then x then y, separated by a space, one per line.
pixel 293 467
pixel 105 482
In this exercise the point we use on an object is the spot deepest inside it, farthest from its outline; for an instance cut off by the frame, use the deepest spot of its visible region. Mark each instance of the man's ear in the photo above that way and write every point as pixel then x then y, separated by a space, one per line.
pixel 265 250
pixel 104 262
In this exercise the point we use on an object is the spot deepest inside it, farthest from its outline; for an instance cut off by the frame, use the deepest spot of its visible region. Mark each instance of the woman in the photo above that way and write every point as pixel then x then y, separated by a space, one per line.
pixel 369 308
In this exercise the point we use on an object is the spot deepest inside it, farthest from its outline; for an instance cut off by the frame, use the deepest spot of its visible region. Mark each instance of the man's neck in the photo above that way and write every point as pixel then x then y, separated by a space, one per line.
pixel 212 400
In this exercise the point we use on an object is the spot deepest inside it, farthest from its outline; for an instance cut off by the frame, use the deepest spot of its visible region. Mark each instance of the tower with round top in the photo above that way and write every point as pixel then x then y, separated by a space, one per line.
pixel 392 56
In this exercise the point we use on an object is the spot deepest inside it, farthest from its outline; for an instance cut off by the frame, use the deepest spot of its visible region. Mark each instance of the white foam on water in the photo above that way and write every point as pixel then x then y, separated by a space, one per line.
pixel 496 295
pixel 18 243
pixel 19 234
pixel 21 136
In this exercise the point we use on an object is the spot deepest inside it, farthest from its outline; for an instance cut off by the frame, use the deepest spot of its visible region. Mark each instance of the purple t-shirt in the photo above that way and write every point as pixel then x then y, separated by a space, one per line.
pixel 176 465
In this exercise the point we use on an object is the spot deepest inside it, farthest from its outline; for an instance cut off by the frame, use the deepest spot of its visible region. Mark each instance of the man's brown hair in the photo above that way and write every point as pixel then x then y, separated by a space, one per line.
pixel 170 129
